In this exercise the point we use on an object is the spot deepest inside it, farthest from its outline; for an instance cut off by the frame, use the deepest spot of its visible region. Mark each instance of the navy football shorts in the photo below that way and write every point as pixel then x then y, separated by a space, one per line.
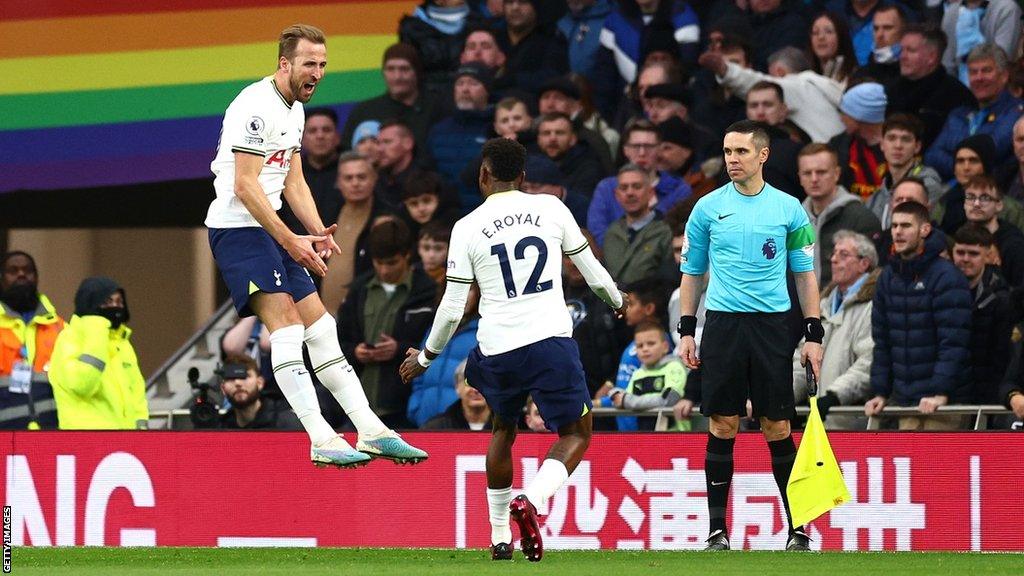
pixel 251 261
pixel 549 371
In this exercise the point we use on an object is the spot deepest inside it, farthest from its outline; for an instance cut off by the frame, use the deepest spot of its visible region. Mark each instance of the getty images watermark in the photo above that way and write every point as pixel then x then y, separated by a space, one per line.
pixel 7 539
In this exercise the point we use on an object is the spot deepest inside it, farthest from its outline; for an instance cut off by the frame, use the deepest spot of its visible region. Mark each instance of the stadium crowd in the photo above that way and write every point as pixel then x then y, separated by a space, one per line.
pixel 897 124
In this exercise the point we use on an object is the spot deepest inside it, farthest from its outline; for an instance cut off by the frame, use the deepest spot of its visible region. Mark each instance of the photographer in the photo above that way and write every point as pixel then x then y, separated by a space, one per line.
pixel 242 385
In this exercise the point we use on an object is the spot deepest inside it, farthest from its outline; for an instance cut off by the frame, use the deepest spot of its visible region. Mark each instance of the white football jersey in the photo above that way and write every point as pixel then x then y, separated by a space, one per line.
pixel 512 245
pixel 259 121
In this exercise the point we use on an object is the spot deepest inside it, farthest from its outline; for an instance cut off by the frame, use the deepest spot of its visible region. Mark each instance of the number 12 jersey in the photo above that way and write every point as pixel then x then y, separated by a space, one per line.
pixel 512 245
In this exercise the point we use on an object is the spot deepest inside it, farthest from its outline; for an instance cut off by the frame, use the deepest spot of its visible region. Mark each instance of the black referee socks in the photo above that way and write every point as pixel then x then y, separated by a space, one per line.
pixel 783 455
pixel 718 475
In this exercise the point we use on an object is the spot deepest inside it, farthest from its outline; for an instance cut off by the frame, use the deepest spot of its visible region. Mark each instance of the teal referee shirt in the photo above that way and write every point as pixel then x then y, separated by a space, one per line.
pixel 747 241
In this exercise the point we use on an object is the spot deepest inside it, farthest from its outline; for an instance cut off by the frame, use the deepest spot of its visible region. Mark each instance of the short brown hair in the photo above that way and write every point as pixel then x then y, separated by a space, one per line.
pixel 984 182
pixel 818 148
pixel 974 234
pixel 906 122
pixel 915 209
pixel 291 35
pixel 649 326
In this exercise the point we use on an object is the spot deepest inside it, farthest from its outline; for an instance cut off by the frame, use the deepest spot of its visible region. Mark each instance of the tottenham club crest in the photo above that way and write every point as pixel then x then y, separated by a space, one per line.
pixel 769 249
pixel 254 125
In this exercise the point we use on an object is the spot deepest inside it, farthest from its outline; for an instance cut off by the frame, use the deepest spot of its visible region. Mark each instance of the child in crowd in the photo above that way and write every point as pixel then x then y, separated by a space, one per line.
pixel 658 382
pixel 433 249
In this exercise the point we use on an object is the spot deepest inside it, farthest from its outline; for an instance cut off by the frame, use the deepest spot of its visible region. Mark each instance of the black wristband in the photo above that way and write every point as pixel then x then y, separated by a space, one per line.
pixel 687 326
pixel 813 330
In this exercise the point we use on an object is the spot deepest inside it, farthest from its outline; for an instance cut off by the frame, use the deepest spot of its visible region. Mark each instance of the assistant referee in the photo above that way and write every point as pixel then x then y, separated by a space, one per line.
pixel 747 233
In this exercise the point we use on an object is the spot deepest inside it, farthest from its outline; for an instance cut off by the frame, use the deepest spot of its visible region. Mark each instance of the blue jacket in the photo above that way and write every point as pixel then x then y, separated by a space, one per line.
pixel 998 123
pixel 921 324
pixel 624 38
pixel 582 33
pixel 434 391
pixel 605 209
pixel 457 141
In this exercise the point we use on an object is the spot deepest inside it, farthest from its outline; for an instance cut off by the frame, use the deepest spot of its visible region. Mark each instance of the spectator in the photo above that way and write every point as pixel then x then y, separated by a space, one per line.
pixel 1011 175
pixel 425 200
pixel 883 66
pixel 677 157
pixel 29 326
pixel 559 95
pixel 971 23
pixel 535 53
pixel 624 32
pixel 921 325
pixel 511 116
pixel 543 177
pixel 901 146
pixel 991 322
pixel 637 245
pixel 860 16
pixel 250 337
pixel 432 249
pixel 458 139
pixel 846 316
pixel 94 371
pixel 581 29
pixel 1011 394
pixel 863 164
pixel 829 205
pixel 364 141
pixel 777 24
pixel 722 106
pixel 766 103
pixel 532 419
pixel 647 301
pixel 994 114
pixel 386 312
pixel 830 48
pixel 641 141
pixel 242 385
pixel 923 88
pixel 910 189
pixel 665 101
pixel 356 181
pixel 433 392
pixel 973 157
pixel 595 328
pixel 402 98
pixel 812 99
pixel 635 101
pixel 579 165
pixel 437 30
pixel 397 152
pixel 320 141
pixel 659 381
pixel 983 202
pixel 468 412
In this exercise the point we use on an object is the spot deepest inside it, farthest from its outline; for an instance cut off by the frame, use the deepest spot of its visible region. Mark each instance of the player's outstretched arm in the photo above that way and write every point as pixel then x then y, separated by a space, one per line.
pixel 252 196
pixel 599 280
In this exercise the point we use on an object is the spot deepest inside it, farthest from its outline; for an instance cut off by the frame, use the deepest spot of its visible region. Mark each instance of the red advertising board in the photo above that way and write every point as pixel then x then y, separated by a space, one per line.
pixel 924 491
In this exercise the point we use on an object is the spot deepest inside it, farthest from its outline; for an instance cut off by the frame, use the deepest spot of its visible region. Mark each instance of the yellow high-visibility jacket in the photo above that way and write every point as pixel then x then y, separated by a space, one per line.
pixel 96 378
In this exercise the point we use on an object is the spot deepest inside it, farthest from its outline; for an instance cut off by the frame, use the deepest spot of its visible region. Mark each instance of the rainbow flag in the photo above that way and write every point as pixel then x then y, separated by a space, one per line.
pixel 131 91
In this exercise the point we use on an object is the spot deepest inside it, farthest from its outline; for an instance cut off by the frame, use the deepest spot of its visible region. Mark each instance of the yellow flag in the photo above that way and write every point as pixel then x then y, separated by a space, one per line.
pixel 816 483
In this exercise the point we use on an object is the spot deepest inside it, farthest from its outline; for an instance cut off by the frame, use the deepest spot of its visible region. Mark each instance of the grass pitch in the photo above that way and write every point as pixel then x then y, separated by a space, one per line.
pixel 371 562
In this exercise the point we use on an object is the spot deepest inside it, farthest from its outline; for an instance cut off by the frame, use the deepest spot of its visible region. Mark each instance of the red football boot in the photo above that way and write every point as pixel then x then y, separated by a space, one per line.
pixel 525 515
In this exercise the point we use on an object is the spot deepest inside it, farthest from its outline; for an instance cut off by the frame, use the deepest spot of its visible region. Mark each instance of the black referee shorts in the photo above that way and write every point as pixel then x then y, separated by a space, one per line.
pixel 746 355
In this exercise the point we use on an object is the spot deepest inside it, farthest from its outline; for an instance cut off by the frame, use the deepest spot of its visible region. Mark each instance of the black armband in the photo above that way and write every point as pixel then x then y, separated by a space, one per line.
pixel 813 330
pixel 687 326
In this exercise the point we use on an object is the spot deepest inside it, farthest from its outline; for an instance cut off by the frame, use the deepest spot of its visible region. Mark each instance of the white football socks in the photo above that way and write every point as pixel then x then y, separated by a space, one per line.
pixel 295 383
pixel 497 503
pixel 549 479
pixel 334 371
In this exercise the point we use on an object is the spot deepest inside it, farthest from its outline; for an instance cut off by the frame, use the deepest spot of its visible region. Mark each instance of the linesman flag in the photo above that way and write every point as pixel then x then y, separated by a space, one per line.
pixel 816 483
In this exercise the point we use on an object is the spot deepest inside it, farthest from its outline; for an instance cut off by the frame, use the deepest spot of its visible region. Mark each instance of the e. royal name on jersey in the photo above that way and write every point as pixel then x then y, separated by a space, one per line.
pixel 509 221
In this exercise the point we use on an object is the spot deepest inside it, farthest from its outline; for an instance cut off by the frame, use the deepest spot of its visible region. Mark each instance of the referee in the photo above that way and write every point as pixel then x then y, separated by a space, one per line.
pixel 747 233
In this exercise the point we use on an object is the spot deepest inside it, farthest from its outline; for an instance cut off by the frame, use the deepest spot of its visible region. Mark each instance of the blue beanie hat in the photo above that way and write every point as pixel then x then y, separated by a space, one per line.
pixel 865 103
pixel 365 129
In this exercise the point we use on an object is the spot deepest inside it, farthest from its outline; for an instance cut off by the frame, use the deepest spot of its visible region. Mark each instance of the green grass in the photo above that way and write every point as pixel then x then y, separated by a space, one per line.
pixel 370 562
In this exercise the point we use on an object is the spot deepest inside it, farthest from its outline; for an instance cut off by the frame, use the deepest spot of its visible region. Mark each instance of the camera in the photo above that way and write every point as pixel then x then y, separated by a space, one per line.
pixel 203 411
